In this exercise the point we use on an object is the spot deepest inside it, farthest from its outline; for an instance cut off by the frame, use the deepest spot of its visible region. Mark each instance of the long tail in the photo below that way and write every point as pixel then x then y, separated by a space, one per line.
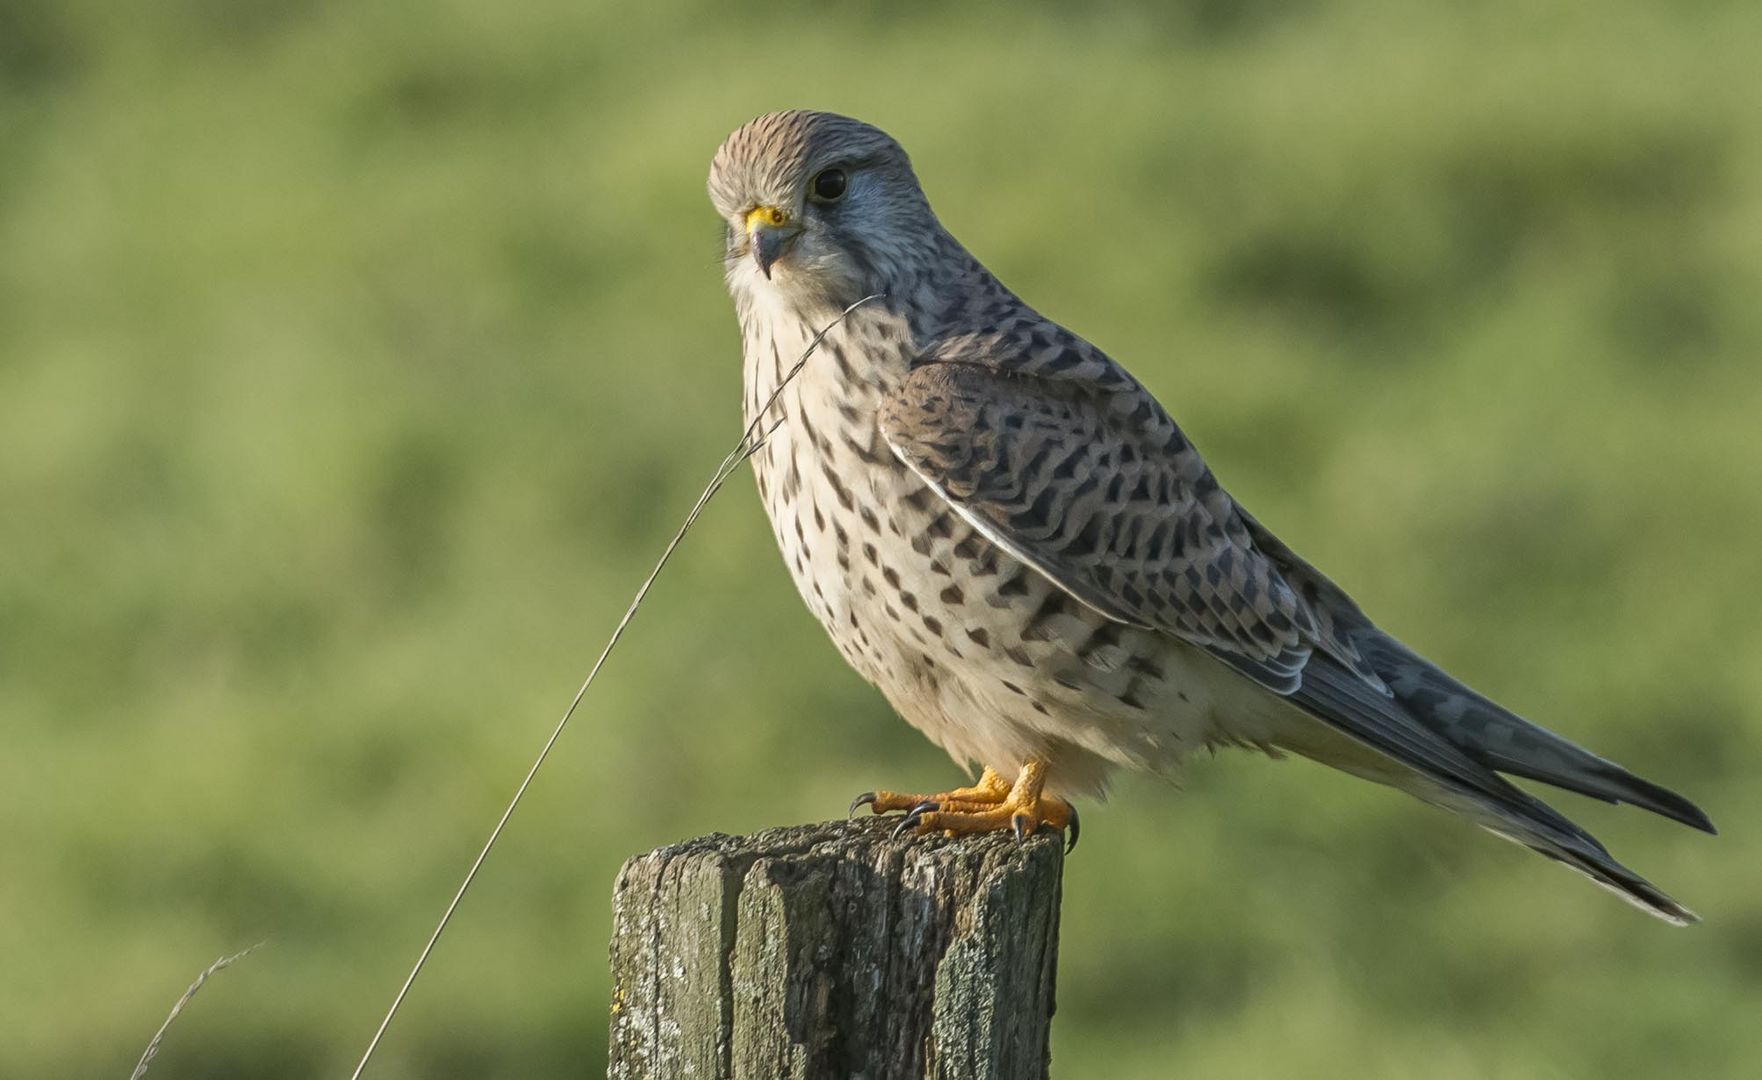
pixel 1618 879
pixel 1453 743
pixel 1573 848
pixel 1505 742
pixel 1452 766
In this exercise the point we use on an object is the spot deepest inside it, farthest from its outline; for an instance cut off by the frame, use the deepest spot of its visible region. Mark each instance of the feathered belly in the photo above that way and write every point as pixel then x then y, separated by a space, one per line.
pixel 988 658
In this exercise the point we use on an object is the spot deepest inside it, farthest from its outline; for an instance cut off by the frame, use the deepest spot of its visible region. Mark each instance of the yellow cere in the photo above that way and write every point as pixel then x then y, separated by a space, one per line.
pixel 764 215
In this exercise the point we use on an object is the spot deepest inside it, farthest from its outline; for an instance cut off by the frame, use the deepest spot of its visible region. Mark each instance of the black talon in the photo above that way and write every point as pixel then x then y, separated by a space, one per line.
pixel 1019 825
pixel 913 817
pixel 867 798
pixel 1071 844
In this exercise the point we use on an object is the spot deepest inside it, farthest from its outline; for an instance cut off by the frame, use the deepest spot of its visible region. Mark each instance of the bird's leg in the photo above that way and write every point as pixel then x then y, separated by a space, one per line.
pixel 1023 808
pixel 991 790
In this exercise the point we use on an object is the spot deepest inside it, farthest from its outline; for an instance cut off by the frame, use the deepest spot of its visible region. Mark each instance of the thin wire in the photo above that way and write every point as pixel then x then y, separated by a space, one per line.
pixel 743 449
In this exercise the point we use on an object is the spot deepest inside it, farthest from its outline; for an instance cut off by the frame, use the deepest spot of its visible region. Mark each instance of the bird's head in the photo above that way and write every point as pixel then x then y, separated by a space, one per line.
pixel 820 208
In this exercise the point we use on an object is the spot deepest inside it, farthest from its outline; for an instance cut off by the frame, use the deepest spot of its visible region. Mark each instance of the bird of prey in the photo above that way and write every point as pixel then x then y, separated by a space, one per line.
pixel 1004 532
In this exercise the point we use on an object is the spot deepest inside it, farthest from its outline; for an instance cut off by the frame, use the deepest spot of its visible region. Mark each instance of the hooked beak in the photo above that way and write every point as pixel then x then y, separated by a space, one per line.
pixel 771 233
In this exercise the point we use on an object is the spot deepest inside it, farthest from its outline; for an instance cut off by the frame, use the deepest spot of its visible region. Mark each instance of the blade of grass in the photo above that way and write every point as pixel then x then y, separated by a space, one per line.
pixel 746 447
pixel 153 1046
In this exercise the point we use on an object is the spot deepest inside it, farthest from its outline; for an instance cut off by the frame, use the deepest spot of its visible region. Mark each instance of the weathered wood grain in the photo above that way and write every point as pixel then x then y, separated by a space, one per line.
pixel 824 951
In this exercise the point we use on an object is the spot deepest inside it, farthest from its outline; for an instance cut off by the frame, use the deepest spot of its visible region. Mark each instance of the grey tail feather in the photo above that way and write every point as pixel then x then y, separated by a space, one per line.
pixel 1610 875
pixel 1505 742
pixel 1603 779
pixel 1494 736
pixel 1339 697
pixel 1446 775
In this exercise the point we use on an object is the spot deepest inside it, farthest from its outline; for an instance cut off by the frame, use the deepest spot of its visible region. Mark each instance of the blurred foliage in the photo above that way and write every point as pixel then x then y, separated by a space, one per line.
pixel 355 361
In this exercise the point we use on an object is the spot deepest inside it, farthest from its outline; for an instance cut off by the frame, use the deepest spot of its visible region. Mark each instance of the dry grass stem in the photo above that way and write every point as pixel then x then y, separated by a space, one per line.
pixel 750 441
pixel 159 1036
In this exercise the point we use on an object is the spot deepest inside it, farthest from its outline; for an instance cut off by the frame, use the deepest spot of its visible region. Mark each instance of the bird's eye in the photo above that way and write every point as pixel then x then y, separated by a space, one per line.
pixel 829 185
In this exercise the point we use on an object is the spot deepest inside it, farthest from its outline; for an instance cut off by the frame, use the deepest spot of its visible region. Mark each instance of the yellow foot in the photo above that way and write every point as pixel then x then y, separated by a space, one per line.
pixel 991 790
pixel 987 806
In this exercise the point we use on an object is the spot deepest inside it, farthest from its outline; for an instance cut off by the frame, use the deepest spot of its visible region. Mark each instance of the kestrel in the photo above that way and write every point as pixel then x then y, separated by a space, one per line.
pixel 1008 536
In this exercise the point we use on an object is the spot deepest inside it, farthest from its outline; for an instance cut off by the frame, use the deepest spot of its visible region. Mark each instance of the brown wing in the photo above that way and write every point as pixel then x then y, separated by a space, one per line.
pixel 1099 492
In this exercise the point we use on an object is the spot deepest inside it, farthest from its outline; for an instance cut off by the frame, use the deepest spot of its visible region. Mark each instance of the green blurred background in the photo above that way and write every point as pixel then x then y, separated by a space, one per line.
pixel 357 359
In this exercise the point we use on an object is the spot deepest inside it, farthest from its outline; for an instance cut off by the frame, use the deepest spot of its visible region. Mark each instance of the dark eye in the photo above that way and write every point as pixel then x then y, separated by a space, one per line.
pixel 829 185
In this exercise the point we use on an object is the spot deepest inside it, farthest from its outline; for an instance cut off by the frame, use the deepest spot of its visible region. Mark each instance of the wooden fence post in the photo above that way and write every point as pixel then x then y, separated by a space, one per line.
pixel 834 951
